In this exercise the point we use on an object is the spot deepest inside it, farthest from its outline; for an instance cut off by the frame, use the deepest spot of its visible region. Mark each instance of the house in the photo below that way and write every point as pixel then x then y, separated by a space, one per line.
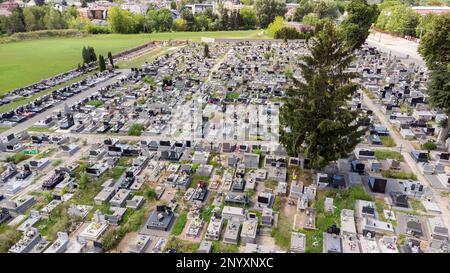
pixel 423 10
pixel 95 11
pixel 195 8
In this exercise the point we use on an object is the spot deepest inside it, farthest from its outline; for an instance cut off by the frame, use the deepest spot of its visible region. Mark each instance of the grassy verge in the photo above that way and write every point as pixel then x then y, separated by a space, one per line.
pixel 398 174
pixel 282 232
pixel 387 141
pixel 17 158
pixel 181 246
pixel 342 199
pixel 387 154
pixel 95 103
pixel 39 129
pixel 179 224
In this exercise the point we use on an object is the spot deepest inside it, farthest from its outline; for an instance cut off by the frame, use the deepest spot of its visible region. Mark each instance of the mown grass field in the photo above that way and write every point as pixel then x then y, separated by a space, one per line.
pixel 23 63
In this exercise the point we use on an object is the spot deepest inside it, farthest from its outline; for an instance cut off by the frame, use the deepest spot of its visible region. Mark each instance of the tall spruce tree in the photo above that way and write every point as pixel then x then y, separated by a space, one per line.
pixel 315 119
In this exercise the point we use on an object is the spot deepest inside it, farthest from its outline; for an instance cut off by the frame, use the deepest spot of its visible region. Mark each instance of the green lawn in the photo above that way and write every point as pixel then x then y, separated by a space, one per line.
pixel 96 103
pixel 343 199
pixel 387 141
pixel 147 57
pixel 398 174
pixel 179 224
pixel 388 154
pixel 26 62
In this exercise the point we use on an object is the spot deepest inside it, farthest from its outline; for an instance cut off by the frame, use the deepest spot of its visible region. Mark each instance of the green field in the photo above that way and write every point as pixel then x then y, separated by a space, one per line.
pixel 148 56
pixel 23 63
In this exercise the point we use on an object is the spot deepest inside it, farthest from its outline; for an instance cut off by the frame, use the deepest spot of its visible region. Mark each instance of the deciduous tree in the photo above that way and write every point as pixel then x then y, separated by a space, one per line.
pixel 360 16
pixel 267 10
pixel 435 49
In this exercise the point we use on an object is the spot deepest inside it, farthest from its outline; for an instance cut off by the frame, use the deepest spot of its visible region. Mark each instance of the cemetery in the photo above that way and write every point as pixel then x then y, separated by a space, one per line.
pixel 186 147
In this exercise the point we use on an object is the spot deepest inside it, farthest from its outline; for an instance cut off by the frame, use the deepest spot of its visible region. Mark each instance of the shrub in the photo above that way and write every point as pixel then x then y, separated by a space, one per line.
pixel 96 103
pixel 288 33
pixel 136 129
pixel 96 29
pixel 17 158
pixel 150 194
pixel 429 145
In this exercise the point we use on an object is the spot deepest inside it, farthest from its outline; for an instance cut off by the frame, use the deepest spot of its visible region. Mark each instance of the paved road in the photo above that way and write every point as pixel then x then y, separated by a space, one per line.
pixel 397 46
pixel 59 105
